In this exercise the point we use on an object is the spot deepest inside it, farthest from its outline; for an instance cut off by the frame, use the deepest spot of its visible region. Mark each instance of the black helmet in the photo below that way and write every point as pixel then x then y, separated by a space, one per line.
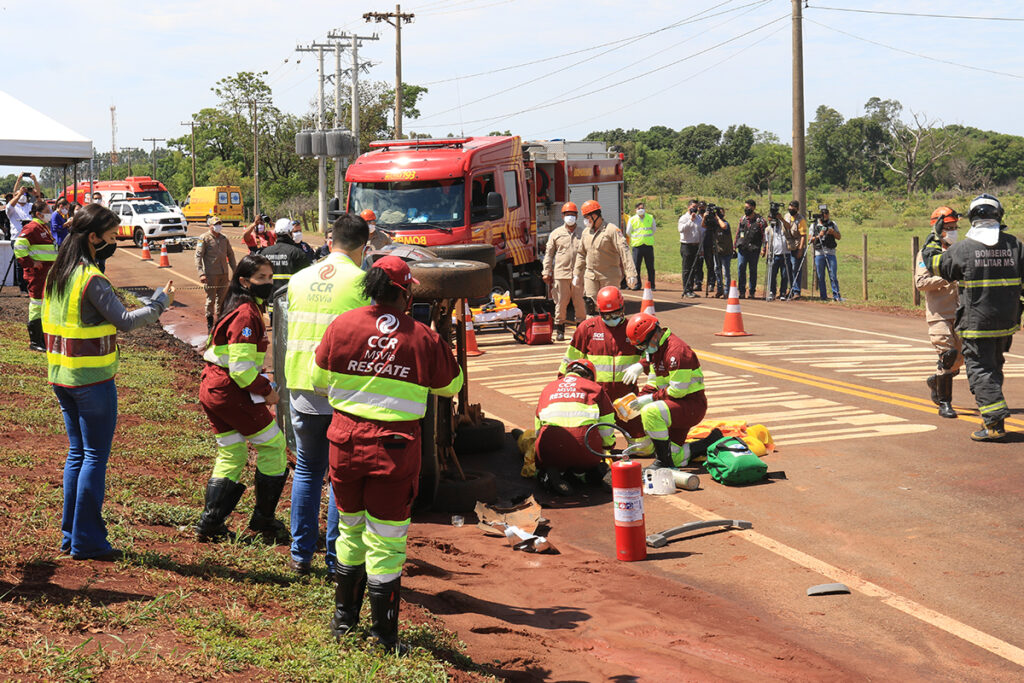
pixel 985 206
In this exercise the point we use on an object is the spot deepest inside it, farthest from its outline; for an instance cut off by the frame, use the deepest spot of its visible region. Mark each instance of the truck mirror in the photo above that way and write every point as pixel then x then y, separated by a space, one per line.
pixel 495 206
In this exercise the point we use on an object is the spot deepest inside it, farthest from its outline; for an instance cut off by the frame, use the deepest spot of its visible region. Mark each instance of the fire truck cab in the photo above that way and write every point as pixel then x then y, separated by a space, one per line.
pixel 492 190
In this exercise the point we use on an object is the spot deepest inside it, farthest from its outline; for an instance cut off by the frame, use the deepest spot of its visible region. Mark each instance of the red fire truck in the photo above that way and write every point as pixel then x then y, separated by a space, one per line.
pixel 495 190
pixel 132 186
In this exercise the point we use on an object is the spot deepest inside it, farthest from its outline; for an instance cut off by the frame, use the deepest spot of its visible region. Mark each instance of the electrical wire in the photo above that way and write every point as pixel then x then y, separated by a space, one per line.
pixel 573 52
pixel 501 117
pixel 915 54
pixel 914 14
pixel 463 9
pixel 688 20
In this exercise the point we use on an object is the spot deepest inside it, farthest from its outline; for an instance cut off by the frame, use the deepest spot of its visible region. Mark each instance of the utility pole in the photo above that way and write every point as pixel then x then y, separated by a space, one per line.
pixel 192 125
pixel 354 73
pixel 153 159
pixel 113 141
pixel 321 185
pixel 799 152
pixel 255 106
pixel 396 19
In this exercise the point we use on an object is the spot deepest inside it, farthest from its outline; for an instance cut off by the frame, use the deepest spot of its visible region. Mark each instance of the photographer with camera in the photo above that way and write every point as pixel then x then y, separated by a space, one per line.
pixel 824 236
pixel 749 238
pixel 257 236
pixel 18 212
pixel 795 226
pixel 691 234
pixel 707 246
pixel 721 232
pixel 776 253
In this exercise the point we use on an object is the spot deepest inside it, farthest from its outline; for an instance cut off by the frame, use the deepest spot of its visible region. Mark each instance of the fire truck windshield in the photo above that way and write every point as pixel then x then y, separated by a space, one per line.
pixel 409 205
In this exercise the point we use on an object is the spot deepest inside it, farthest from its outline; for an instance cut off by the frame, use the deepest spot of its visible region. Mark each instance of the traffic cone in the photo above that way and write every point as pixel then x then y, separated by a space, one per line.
pixel 146 256
pixel 733 326
pixel 164 261
pixel 471 348
pixel 647 304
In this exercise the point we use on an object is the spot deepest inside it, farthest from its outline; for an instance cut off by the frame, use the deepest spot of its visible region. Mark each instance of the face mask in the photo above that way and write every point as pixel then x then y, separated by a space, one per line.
pixel 950 237
pixel 23 199
pixel 373 226
pixel 105 251
pixel 262 292
pixel 217 227
pixel 652 348
pixel 297 237
pixel 640 212
pixel 612 322
pixel 570 221
pixel 587 223
pixel 64 212
pixel 46 217
pixel 747 211
pixel 260 228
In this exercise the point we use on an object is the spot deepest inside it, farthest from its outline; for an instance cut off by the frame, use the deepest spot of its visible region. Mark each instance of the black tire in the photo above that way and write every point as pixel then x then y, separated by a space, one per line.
pixel 236 223
pixel 137 237
pixel 487 437
pixel 482 253
pixel 430 468
pixel 457 495
pixel 447 279
pixel 500 285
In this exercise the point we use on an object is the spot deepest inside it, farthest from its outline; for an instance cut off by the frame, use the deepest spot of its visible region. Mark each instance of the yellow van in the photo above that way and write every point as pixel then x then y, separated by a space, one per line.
pixel 218 200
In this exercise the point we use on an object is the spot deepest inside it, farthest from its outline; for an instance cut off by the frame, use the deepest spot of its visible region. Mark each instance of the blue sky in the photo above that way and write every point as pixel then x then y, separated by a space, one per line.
pixel 157 64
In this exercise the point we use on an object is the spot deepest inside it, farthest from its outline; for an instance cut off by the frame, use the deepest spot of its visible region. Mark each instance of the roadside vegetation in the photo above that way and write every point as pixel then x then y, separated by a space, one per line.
pixel 171 608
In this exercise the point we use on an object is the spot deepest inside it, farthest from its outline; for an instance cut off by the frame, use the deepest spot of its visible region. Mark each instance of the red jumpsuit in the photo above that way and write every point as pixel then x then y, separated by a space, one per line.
pixel 675 377
pixel 36 238
pixel 611 352
pixel 257 240
pixel 567 408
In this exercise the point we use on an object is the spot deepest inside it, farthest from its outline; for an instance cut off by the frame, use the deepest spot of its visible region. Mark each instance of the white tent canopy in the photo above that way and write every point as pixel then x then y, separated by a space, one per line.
pixel 29 138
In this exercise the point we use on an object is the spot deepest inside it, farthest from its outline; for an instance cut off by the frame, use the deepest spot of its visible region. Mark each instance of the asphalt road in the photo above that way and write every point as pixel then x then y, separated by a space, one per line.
pixel 923 524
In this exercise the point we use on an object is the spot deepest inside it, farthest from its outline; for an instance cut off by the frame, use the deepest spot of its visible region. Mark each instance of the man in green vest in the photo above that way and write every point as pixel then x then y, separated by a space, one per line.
pixel 316 296
pixel 640 233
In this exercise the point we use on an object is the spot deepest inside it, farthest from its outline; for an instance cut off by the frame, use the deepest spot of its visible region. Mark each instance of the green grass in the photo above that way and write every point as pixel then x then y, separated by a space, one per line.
pixel 192 612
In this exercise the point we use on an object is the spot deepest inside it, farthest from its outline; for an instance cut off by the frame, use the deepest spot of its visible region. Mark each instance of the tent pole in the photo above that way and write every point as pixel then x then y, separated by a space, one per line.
pixel 91 159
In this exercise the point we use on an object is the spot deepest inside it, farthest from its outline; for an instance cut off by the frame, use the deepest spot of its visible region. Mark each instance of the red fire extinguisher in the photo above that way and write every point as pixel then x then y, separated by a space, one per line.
pixel 627 499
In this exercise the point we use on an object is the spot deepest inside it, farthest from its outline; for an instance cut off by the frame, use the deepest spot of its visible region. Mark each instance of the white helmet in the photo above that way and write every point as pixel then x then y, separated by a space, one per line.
pixel 283 226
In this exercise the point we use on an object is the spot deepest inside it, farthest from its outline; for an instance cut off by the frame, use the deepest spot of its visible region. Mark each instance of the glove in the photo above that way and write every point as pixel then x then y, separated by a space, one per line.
pixel 575 282
pixel 632 373
pixel 632 282
pixel 641 401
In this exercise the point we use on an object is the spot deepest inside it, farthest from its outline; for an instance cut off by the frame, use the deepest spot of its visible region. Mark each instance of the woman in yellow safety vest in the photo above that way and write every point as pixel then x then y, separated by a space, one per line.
pixel 81 316
pixel 236 394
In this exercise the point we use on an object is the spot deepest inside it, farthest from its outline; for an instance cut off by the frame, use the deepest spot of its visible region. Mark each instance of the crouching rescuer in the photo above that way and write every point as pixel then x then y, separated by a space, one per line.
pixel 377 367
pixel 567 408
pixel 673 399
pixel 235 396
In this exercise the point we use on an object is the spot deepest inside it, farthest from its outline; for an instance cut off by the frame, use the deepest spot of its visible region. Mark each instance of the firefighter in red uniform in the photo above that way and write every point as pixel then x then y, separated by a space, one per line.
pixel 602 340
pixel 673 399
pixel 236 395
pixel 36 252
pixel 377 366
pixel 567 408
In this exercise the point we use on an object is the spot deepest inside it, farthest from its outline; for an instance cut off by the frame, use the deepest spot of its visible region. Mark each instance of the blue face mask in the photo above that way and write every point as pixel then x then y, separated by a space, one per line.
pixel 612 322
pixel 652 348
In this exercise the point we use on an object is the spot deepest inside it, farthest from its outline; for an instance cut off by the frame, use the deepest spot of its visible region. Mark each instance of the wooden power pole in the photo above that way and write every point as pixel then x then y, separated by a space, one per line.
pixel 799 151
pixel 192 125
pixel 153 157
pixel 396 19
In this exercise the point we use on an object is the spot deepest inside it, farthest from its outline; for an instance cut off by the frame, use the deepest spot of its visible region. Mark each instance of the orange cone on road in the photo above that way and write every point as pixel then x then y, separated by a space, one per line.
pixel 733 326
pixel 471 348
pixel 164 261
pixel 146 256
pixel 647 304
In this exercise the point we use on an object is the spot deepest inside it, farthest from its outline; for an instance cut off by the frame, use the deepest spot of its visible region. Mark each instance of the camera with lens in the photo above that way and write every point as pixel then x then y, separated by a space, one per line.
pixel 265 218
pixel 774 208
pixel 712 208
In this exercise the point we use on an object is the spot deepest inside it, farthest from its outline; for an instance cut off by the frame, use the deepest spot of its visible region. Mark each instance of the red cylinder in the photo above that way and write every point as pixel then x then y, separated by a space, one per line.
pixel 628 502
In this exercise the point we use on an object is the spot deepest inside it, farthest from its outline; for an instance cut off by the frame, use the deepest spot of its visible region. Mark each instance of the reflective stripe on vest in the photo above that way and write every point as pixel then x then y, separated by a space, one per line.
pixel 382 398
pixel 36 252
pixel 77 354
pixel 316 296
pixel 242 361
pixel 609 368
pixel 570 414
pixel 641 231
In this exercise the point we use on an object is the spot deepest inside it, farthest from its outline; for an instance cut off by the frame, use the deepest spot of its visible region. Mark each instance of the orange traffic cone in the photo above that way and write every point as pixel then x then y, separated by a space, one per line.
pixel 164 261
pixel 647 304
pixel 146 256
pixel 471 348
pixel 733 326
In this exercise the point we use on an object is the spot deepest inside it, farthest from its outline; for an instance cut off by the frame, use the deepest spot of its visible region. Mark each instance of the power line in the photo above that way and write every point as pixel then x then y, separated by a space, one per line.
pixel 464 9
pixel 618 83
pixel 915 54
pixel 916 14
pixel 691 19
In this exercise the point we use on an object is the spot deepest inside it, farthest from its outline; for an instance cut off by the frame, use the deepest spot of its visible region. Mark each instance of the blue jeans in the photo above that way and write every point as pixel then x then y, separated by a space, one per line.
pixel 747 260
pixel 794 273
pixel 723 272
pixel 780 272
pixel 90 415
pixel 821 261
pixel 311 462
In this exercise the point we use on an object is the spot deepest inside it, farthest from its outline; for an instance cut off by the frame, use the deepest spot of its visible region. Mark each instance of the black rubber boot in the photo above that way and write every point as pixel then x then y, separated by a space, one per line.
pixel 992 431
pixel 348 598
pixel 36 340
pixel 662 454
pixel 209 323
pixel 222 495
pixel 268 493
pixel 384 599
pixel 933 385
pixel 945 386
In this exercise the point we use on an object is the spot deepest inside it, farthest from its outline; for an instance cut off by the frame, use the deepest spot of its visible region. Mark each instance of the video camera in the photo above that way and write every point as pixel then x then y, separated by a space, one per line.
pixel 774 208
pixel 822 208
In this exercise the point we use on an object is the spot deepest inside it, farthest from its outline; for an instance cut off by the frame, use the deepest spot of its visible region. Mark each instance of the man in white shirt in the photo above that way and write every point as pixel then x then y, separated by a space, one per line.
pixel 691 236
pixel 17 211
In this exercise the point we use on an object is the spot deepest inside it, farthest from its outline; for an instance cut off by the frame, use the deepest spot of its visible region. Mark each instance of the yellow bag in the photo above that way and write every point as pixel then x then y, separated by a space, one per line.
pixel 526 441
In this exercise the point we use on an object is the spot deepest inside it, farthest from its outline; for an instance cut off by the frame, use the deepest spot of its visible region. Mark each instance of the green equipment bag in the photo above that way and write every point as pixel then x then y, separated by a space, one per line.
pixel 731 462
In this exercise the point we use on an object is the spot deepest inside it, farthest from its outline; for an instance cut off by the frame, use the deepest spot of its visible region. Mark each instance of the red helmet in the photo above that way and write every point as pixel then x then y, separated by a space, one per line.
pixel 582 367
pixel 368 215
pixel 589 207
pixel 569 207
pixel 947 215
pixel 609 300
pixel 640 328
